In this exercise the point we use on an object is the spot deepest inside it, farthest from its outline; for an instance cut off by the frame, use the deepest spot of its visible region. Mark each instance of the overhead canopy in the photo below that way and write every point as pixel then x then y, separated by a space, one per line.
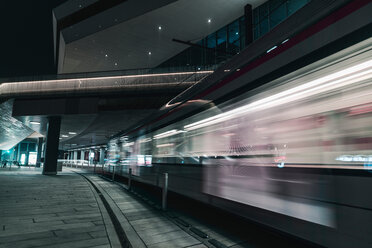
pixel 138 34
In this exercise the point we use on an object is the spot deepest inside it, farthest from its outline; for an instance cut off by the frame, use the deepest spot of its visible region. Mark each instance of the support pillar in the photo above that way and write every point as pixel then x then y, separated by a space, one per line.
pixel 248 19
pixel 52 142
pixel 39 149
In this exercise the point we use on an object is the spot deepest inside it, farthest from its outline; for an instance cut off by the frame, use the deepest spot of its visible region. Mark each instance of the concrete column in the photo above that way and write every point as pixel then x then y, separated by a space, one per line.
pixel 248 19
pixel 39 149
pixel 52 142
pixel 19 152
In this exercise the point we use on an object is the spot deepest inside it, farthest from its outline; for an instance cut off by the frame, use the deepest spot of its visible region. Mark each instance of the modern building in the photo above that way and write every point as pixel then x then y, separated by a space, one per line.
pixel 260 108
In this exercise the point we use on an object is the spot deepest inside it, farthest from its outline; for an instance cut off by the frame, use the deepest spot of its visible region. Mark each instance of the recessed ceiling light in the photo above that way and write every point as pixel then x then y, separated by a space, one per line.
pixel 72 133
pixel 159 27
pixel 149 53
pixel 35 122
pixel 106 55
pixel 116 63
pixel 64 136
pixel 209 20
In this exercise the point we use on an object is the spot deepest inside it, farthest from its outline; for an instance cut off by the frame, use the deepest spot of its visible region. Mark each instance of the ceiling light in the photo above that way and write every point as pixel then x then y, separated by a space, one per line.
pixel 71 133
pixel 149 53
pixel 209 20
pixel 237 33
pixel 116 64
pixel 64 136
pixel 35 122
pixel 274 47
pixel 159 27
pixel 106 55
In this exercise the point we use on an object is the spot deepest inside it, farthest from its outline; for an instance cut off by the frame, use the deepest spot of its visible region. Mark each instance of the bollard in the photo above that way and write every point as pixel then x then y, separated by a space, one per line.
pixel 165 192
pixel 113 173
pixel 130 179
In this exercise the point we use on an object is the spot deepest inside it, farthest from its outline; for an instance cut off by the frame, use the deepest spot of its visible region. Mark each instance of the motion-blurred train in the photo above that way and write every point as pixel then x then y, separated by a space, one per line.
pixel 294 153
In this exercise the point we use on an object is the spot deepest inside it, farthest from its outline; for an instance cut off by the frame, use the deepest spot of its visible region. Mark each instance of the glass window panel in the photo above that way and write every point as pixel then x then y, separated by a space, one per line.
pixel 294 5
pixel 264 26
pixel 263 11
pixel 221 35
pixel 32 147
pixel 278 15
pixel 256 18
pixel 274 4
pixel 211 40
pixel 256 33
pixel 234 31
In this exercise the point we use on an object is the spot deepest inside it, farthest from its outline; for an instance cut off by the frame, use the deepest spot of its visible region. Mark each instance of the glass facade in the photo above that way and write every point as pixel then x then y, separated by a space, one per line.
pixel 230 39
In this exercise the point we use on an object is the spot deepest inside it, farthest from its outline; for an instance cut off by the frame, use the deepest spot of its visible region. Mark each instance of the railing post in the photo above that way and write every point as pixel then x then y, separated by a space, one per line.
pixel 130 179
pixel 113 173
pixel 165 192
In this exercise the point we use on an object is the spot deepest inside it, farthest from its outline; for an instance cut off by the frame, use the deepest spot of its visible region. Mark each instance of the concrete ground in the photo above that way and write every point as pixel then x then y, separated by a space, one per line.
pixel 71 210
pixel 49 211
pixel 77 208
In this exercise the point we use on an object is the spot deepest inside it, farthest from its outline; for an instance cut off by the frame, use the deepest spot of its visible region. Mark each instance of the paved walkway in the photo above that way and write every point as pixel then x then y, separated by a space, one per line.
pixel 83 210
pixel 50 211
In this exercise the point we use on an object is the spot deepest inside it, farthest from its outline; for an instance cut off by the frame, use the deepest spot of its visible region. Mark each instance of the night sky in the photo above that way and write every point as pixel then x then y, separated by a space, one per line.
pixel 27 37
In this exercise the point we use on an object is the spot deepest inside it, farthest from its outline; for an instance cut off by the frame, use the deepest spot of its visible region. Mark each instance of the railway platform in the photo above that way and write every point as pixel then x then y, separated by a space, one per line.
pixel 78 208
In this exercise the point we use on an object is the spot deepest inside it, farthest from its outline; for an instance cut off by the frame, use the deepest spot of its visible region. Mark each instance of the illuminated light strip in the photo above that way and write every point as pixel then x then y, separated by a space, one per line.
pixel 165 145
pixel 113 77
pixel 129 144
pixel 337 80
pixel 145 140
pixel 168 133
pixel 274 47
pixel 84 88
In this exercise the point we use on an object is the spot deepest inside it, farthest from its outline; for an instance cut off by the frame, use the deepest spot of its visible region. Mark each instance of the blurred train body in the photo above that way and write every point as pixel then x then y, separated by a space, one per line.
pixel 294 154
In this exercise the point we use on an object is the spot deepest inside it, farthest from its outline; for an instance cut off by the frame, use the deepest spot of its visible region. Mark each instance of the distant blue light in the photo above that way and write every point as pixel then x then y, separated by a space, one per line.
pixel 8 151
